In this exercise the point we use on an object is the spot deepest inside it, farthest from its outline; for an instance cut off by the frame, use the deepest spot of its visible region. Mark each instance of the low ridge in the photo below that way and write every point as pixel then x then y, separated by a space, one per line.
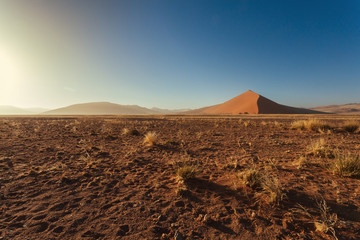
pixel 251 103
pixel 350 108
pixel 100 108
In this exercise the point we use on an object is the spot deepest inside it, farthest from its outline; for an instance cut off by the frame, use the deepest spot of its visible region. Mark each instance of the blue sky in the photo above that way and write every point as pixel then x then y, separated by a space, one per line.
pixel 178 54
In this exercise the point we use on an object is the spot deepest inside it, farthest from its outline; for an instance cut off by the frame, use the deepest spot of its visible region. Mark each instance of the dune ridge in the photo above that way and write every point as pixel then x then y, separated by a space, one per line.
pixel 251 103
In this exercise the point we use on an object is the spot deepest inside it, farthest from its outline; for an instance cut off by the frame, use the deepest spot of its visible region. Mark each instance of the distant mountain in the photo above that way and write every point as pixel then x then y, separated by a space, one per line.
pixel 101 108
pixel 11 110
pixel 351 108
pixel 169 111
pixel 251 103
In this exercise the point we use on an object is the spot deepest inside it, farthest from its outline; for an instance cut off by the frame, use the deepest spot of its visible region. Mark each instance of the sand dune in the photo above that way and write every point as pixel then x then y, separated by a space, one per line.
pixel 100 108
pixel 251 103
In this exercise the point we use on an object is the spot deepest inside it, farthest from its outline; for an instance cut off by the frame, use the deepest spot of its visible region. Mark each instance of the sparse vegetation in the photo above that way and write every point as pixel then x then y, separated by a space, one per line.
pixel 247 123
pixel 272 191
pixel 345 165
pixel 150 138
pixel 186 173
pixel 321 149
pixel 311 124
pixel 327 220
pixel 302 162
pixel 268 187
pixel 277 124
pixel 232 164
pixel 251 177
pixel 273 163
pixel 125 131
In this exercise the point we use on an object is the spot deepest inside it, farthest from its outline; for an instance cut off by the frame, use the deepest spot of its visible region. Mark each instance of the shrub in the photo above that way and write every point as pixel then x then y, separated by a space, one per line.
pixel 346 165
pixel 269 187
pixel 271 190
pixel 125 131
pixel 251 177
pixel 302 162
pixel 185 173
pixel 327 220
pixel 320 149
pixel 150 138
pixel 247 123
pixel 311 124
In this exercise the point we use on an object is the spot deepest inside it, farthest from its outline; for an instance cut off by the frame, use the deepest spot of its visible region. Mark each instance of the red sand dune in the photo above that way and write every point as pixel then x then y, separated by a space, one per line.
pixel 251 103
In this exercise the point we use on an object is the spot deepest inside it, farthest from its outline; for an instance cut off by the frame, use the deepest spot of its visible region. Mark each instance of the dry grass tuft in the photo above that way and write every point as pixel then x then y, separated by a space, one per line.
pixel 345 165
pixel 247 123
pixel 270 189
pixel 311 124
pixel 351 126
pixel 150 138
pixel 277 124
pixel 125 131
pixel 327 220
pixel 320 149
pixel 186 173
pixel 251 177
pixel 302 162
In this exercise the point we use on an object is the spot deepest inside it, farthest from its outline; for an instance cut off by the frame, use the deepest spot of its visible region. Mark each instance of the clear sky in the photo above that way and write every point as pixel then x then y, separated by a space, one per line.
pixel 178 54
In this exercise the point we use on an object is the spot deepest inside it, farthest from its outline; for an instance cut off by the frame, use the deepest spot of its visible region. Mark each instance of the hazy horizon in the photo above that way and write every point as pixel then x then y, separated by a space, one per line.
pixel 178 54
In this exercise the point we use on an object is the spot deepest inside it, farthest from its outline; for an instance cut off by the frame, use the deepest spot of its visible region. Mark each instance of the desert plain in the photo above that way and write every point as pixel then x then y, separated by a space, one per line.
pixel 192 177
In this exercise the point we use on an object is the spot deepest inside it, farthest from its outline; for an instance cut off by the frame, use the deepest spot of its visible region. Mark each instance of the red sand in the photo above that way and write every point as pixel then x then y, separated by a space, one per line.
pixel 250 103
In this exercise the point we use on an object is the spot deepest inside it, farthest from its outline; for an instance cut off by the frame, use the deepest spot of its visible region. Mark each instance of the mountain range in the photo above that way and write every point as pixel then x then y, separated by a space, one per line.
pixel 107 108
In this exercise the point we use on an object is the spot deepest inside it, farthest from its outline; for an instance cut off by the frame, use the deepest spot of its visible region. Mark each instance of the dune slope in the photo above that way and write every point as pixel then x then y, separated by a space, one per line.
pixel 251 103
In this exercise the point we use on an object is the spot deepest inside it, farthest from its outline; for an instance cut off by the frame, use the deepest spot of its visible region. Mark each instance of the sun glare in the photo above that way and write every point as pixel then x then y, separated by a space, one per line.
pixel 11 74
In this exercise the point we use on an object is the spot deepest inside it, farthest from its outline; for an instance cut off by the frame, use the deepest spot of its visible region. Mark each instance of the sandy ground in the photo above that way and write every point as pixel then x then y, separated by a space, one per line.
pixel 83 178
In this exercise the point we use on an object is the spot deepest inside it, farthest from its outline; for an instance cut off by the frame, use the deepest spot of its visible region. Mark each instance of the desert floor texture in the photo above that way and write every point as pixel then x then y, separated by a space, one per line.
pixel 96 178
